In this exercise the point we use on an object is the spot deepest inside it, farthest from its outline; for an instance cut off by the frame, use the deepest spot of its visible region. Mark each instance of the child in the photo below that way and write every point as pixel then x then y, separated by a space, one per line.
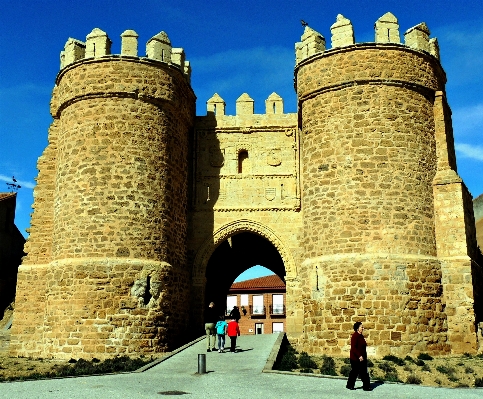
pixel 220 332
pixel 233 331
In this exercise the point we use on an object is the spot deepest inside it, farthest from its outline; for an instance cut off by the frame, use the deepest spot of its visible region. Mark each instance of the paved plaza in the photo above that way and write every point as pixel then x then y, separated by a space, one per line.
pixel 229 376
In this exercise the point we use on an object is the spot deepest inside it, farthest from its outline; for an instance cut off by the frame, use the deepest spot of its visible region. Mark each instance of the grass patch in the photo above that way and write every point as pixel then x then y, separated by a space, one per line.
pixel 387 367
pixel 84 367
pixel 395 360
pixel 413 379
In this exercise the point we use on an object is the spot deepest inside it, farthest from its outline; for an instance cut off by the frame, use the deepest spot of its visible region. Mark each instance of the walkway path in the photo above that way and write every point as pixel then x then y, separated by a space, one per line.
pixel 229 376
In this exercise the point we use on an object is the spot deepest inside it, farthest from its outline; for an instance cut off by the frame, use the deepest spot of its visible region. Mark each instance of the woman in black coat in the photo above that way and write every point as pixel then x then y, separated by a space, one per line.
pixel 358 358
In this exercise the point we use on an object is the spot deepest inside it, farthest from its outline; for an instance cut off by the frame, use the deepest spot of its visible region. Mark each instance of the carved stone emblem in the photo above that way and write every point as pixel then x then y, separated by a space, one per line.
pixel 270 193
pixel 274 157
pixel 217 156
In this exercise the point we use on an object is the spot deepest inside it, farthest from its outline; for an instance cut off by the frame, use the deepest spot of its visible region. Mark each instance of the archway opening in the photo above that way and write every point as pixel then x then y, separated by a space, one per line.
pixel 235 255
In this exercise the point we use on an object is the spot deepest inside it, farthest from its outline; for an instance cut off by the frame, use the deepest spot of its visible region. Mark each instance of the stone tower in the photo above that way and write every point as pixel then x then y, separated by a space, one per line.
pixel 106 270
pixel 143 212
pixel 384 210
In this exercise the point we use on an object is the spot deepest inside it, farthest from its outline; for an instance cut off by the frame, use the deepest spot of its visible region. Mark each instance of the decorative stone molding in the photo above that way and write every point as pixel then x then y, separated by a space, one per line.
pixel 229 230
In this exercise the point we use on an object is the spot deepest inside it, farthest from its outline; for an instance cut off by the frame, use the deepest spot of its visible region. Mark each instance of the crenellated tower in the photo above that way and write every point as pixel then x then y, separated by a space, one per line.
pixel 106 270
pixel 144 212
pixel 384 210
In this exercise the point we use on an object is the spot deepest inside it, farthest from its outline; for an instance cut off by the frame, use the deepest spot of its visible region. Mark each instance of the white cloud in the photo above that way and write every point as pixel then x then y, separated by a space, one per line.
pixel 470 151
pixel 22 183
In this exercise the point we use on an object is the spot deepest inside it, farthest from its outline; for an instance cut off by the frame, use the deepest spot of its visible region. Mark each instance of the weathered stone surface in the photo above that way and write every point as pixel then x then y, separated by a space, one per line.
pixel 357 196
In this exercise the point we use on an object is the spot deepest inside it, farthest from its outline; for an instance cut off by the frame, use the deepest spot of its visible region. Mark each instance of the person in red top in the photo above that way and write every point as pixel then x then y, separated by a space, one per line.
pixel 233 331
pixel 358 358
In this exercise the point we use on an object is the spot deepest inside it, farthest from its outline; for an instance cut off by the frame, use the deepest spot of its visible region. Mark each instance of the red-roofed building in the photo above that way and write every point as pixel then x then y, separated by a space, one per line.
pixel 261 302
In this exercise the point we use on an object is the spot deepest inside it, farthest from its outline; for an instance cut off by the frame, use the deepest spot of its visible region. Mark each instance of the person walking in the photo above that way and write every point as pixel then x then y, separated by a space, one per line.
pixel 358 359
pixel 210 320
pixel 235 314
pixel 233 331
pixel 221 327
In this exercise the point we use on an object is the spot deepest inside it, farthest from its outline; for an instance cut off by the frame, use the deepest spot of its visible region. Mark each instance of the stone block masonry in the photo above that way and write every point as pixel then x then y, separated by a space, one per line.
pixel 355 200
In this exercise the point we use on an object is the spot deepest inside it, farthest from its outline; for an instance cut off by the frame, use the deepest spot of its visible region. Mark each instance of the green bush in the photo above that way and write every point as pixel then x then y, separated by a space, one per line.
pixel 467 355
pixel 306 371
pixel 391 377
pixel 289 360
pixel 426 368
pixel 445 370
pixel 420 362
pixel 425 356
pixel 469 370
pixel 328 366
pixel 306 362
pixel 413 379
pixel 369 363
pixel 478 382
pixel 394 359
pixel 386 367
pixel 345 370
pixel 409 359
pixel 347 361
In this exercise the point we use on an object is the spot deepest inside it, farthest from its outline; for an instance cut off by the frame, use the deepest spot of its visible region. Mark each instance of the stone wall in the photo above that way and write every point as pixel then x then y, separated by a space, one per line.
pixel 114 192
pixel 369 156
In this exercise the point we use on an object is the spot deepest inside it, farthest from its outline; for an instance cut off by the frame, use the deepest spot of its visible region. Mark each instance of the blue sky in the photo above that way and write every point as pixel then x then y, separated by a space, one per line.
pixel 233 47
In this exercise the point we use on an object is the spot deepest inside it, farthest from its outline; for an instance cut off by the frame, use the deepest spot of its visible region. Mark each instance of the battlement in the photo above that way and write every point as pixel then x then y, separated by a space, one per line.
pixel 98 45
pixel 386 30
pixel 245 112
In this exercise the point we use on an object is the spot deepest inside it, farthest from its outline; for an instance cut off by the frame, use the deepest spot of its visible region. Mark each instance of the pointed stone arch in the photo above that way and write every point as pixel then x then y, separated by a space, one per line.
pixel 230 229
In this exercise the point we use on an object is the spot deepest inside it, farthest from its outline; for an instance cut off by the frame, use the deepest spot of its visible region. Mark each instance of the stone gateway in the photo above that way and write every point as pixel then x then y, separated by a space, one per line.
pixel 144 212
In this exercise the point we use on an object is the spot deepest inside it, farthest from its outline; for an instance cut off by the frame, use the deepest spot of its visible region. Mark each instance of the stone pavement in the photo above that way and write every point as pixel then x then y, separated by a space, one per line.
pixel 228 375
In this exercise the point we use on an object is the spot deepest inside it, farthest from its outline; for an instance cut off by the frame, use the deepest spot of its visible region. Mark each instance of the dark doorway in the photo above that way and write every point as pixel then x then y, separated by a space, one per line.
pixel 232 257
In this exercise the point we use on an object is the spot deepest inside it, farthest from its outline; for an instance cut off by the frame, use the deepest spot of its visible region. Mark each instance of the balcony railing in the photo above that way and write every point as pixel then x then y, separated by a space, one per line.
pixel 257 310
pixel 277 309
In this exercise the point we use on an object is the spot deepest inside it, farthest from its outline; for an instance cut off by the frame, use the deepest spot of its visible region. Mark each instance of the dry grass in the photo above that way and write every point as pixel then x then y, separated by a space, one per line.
pixel 448 371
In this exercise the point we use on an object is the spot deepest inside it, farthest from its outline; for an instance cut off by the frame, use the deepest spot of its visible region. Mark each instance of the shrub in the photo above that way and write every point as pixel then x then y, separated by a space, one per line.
pixel 425 356
pixel 409 359
pixel 426 368
pixel 467 355
pixel 370 363
pixel 328 366
pixel 394 359
pixel 306 371
pixel 469 370
pixel 289 360
pixel 345 370
pixel 420 362
pixel 437 381
pixel 391 377
pixel 445 370
pixel 347 361
pixel 306 362
pixel 478 382
pixel 413 379
pixel 386 367
pixel 408 369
